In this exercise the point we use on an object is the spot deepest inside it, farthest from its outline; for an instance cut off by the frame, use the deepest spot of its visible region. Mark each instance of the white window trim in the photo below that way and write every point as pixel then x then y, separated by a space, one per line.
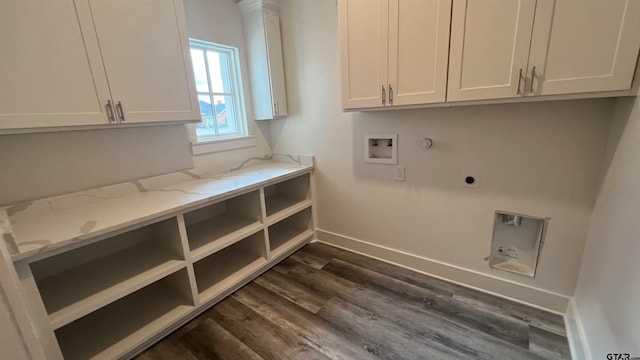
pixel 223 144
pixel 211 144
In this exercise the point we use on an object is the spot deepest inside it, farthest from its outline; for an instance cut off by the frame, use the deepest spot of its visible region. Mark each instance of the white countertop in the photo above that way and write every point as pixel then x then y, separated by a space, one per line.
pixel 30 234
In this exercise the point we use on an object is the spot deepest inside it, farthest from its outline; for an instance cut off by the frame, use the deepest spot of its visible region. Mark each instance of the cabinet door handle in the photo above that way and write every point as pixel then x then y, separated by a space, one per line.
pixel 390 95
pixel 519 82
pixel 533 77
pixel 275 108
pixel 384 96
pixel 120 111
pixel 110 114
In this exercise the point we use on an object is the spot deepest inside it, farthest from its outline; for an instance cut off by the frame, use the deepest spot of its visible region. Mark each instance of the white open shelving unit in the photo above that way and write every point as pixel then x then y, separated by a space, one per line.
pixel 116 295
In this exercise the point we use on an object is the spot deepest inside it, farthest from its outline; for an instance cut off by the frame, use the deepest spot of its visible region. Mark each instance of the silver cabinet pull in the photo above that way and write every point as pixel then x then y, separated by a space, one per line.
pixel 390 95
pixel 519 82
pixel 120 111
pixel 384 96
pixel 110 114
pixel 275 108
pixel 533 77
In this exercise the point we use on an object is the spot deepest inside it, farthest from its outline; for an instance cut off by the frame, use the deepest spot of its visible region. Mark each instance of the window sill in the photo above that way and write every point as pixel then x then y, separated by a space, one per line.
pixel 219 145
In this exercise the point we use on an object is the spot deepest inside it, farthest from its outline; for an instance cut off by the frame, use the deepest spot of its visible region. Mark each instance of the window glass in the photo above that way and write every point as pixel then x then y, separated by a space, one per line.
pixel 219 86
pixel 200 70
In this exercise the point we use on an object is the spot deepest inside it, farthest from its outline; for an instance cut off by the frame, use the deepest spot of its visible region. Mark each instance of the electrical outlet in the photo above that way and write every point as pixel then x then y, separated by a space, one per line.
pixel 398 173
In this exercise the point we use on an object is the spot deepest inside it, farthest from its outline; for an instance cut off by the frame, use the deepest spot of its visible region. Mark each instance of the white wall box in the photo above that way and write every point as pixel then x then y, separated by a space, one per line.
pixel 393 52
pixel 498 50
pixel 517 242
pixel 266 63
pixel 113 295
pixel 91 63
pixel 381 148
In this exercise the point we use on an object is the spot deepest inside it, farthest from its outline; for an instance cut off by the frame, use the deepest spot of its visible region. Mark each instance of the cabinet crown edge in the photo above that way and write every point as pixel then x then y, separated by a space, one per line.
pixel 251 5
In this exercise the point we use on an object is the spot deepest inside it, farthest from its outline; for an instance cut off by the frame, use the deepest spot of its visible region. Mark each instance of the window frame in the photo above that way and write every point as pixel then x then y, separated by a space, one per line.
pixel 237 90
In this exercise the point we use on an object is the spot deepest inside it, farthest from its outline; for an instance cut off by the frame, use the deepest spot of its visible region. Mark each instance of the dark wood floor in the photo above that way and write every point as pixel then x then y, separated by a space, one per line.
pixel 327 303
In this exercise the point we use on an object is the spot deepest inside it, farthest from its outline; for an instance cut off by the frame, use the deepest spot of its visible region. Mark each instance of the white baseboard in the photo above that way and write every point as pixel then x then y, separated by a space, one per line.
pixel 575 333
pixel 540 298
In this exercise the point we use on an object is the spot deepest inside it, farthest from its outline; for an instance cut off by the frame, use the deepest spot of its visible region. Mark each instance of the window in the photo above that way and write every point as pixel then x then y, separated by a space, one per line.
pixel 219 86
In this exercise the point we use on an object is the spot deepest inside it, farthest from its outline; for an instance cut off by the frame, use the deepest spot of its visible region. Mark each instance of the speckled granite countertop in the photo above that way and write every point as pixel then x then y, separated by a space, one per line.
pixel 32 228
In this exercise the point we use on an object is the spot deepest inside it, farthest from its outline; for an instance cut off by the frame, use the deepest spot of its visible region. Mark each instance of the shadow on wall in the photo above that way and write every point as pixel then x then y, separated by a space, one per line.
pixel 548 149
pixel 621 114
pixel 47 164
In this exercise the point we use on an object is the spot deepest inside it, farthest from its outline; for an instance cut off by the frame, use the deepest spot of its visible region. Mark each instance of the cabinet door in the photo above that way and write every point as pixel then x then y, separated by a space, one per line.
pixel 418 50
pixel 364 26
pixel 145 49
pixel 584 45
pixel 276 64
pixel 51 73
pixel 489 48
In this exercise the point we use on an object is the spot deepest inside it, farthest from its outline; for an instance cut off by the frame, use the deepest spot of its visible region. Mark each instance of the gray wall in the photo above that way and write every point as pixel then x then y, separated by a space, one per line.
pixel 40 165
pixel 608 288
pixel 541 159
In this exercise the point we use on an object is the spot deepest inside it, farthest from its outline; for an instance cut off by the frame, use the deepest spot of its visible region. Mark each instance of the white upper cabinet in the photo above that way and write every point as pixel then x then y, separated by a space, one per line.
pixel 394 52
pixel 48 77
pixel 584 46
pixel 507 48
pixel 145 50
pixel 276 64
pixel 364 34
pixel 489 48
pixel 94 62
pixel 418 51
pixel 266 63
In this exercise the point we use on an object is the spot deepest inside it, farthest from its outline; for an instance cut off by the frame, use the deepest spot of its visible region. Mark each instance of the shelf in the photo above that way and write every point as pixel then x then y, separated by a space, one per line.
pixel 83 280
pixel 285 207
pixel 207 237
pixel 289 232
pixel 127 323
pixel 284 195
pixel 89 287
pixel 218 225
pixel 291 240
pixel 223 269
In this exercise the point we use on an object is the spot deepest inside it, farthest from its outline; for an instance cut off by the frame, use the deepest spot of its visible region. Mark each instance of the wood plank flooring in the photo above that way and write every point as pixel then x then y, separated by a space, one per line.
pixel 326 303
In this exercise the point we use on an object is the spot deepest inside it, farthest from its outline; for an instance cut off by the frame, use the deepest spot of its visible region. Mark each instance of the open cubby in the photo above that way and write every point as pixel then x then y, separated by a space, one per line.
pixel 218 271
pixel 290 231
pixel 285 194
pixel 126 323
pixel 215 226
pixel 82 280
